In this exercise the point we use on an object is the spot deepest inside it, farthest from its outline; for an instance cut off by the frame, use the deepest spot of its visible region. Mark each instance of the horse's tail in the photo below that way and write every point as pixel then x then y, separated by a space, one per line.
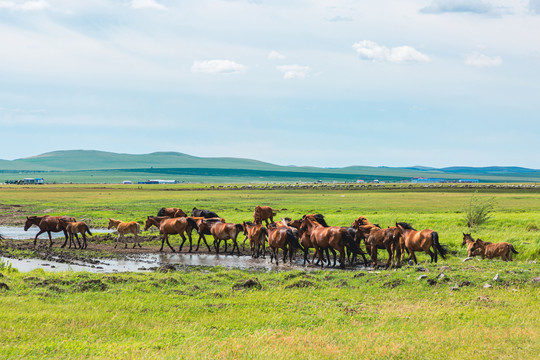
pixel 442 251
pixel 239 228
pixel 193 224
pixel 264 231
pixel 512 249
pixel 88 230
pixel 161 212
pixel 292 240
pixel 274 211
pixel 348 240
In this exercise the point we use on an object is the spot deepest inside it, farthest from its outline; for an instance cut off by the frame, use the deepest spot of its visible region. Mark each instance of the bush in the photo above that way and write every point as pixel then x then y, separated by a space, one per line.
pixel 479 210
pixel 531 227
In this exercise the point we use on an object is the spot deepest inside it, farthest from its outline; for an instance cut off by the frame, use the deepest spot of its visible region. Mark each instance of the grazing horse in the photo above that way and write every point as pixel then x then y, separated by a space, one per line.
pixel 263 213
pixel 171 212
pixel 172 226
pixel 377 238
pixel 490 251
pixel 48 224
pixel 256 233
pixel 124 228
pixel 469 241
pixel 225 231
pixel 334 238
pixel 203 213
pixel 203 228
pixel 412 240
pixel 281 236
pixel 76 227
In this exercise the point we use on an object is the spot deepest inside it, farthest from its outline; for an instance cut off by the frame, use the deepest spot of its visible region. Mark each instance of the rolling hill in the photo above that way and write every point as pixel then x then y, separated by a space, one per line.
pixel 85 164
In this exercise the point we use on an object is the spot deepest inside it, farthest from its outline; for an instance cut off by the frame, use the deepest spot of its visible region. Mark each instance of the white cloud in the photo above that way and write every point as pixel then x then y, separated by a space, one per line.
pixel 147 4
pixel 214 67
pixel 369 50
pixel 274 55
pixel 25 5
pixel 481 60
pixel 294 71
pixel 534 6
pixel 458 6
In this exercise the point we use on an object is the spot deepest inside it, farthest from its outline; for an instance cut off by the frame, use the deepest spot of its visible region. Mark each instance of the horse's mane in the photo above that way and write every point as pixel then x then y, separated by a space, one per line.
pixel 406 225
pixel 249 223
pixel 318 217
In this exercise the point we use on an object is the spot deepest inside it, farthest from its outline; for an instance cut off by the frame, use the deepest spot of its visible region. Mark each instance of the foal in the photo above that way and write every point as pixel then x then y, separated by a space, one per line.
pixel 124 228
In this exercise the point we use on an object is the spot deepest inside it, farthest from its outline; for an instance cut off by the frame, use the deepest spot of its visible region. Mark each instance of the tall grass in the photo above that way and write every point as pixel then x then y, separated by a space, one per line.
pixel 479 210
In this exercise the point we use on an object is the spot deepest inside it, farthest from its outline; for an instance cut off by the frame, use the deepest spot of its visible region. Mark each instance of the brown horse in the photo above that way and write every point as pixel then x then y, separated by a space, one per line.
pixel 412 240
pixel 361 220
pixel 469 241
pixel 281 236
pixel 225 231
pixel 490 251
pixel 256 233
pixel 172 226
pixel 333 237
pixel 171 212
pixel 123 228
pixel 263 213
pixel 76 227
pixel 203 228
pixel 48 224
pixel 377 238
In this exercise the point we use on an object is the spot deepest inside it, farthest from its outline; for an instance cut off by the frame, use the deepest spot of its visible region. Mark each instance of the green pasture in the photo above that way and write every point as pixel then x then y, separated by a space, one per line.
pixel 516 213
pixel 210 313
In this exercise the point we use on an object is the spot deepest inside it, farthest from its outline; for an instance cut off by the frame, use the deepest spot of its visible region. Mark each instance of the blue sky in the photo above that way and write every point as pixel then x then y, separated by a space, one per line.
pixel 324 83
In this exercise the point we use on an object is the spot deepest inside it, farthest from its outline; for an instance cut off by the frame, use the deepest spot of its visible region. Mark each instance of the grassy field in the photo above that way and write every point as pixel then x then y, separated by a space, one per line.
pixel 309 314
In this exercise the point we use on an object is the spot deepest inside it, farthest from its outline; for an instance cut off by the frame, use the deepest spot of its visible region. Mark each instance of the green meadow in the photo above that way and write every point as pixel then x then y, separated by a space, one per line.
pixel 305 313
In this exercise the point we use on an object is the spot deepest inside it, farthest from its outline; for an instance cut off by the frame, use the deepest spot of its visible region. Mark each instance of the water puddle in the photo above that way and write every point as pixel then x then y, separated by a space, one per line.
pixel 18 233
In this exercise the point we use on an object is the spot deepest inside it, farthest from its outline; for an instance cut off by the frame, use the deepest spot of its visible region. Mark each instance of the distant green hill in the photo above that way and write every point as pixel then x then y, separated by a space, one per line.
pixel 91 165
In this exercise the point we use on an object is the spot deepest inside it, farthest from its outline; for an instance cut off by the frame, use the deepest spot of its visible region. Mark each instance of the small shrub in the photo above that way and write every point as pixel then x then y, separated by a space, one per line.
pixel 531 227
pixel 479 211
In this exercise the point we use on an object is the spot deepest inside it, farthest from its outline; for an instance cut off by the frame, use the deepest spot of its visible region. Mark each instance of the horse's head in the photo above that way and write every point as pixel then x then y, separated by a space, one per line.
pixel 111 224
pixel 466 237
pixel 148 223
pixel 30 220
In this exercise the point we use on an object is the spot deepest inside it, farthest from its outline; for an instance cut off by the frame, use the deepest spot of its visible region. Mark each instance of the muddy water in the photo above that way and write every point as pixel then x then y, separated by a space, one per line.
pixel 149 262
pixel 18 233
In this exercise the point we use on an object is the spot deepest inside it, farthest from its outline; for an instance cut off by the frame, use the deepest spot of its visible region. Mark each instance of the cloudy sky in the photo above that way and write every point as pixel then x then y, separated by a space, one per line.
pixel 304 82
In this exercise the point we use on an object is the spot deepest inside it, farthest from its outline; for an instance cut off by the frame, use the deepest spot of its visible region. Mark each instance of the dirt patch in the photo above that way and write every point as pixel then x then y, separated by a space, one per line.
pixel 12 215
pixel 300 284
pixel 393 283
pixel 248 284
pixel 91 285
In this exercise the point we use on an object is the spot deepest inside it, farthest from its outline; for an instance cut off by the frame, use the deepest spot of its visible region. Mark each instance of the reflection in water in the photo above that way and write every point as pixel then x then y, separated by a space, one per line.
pixel 18 233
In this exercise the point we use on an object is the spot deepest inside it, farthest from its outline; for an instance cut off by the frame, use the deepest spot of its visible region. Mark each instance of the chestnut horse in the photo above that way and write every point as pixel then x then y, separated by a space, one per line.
pixel 171 212
pixel 412 240
pixel 490 251
pixel 203 228
pixel 377 238
pixel 48 224
pixel 123 228
pixel 333 237
pixel 469 241
pixel 76 227
pixel 256 233
pixel 263 213
pixel 172 226
pixel 281 236
pixel 225 231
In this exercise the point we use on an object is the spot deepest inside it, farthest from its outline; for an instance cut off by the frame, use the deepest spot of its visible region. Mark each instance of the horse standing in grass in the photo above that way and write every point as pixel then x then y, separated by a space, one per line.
pixel 124 228
pixel 171 212
pixel 412 240
pixel 48 224
pixel 76 227
pixel 377 238
pixel 263 213
pixel 490 251
pixel 172 226
pixel 469 241
pixel 225 231
pixel 203 228
pixel 256 233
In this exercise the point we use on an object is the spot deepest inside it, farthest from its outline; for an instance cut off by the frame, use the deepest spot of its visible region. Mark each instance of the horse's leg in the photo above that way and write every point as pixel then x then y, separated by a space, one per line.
pixel 333 253
pixel 216 245
pixel 84 240
pixel 168 243
pixel 183 241
pixel 66 236
pixel 118 240
pixel 39 233
pixel 204 239
pixel 431 255
pixel 341 258
pixel 390 252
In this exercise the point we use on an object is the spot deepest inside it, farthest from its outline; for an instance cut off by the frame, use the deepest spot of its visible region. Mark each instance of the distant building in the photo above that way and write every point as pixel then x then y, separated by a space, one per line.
pixel 420 180
pixel 127 182
pixel 468 180
pixel 27 181
pixel 158 181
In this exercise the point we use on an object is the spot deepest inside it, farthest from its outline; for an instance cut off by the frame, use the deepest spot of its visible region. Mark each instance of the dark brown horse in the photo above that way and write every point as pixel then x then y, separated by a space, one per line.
pixel 281 236
pixel 203 228
pixel 203 213
pixel 377 238
pixel 263 213
pixel 48 224
pixel 412 240
pixel 171 212
pixel 490 251
pixel 225 231
pixel 333 237
pixel 256 233
pixel 76 227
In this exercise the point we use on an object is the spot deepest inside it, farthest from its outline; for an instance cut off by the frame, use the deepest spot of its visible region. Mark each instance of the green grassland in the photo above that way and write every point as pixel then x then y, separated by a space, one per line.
pixel 308 314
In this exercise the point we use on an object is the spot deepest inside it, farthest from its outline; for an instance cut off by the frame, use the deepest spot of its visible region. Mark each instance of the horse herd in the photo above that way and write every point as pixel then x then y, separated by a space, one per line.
pixel 309 232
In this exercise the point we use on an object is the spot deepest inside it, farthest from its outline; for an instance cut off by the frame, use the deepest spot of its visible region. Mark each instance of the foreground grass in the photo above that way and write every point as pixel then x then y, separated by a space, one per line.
pixel 198 313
